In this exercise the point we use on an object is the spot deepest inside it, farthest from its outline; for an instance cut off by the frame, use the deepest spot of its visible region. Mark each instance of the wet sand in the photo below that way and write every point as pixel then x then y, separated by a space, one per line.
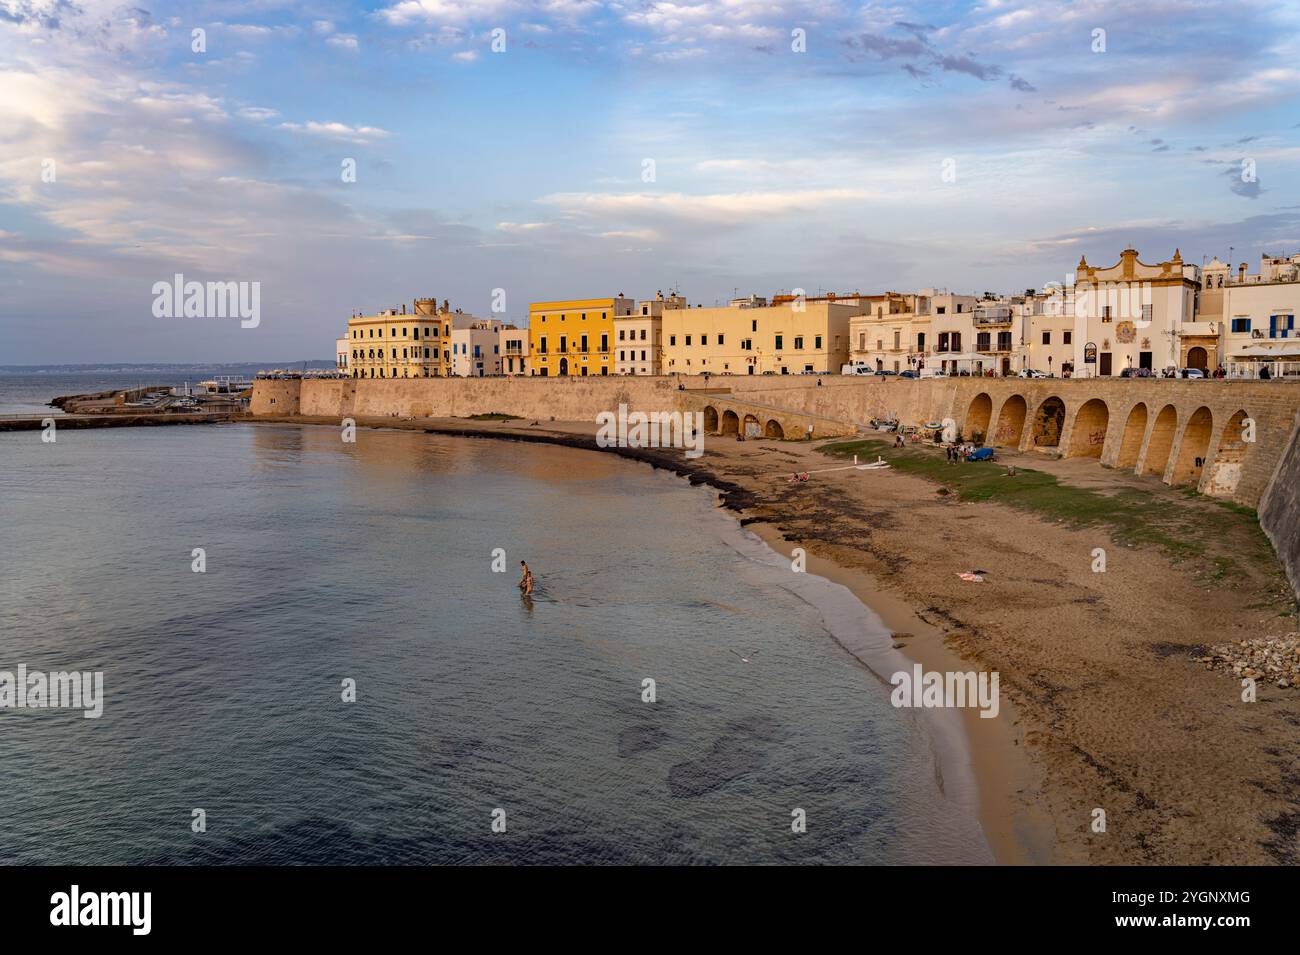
pixel 1103 705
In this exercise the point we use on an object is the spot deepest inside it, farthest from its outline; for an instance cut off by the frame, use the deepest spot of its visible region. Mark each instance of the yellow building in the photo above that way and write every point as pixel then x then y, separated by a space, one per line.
pixel 753 338
pixel 574 337
pixel 396 344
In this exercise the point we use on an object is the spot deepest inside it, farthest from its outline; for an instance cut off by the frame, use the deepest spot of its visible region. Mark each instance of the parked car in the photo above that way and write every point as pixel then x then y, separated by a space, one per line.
pixel 1033 373
pixel 907 374
pixel 886 371
pixel 1190 373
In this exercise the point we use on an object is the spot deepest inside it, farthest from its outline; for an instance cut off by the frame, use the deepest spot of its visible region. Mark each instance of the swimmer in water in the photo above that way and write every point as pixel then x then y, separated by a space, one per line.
pixel 526 582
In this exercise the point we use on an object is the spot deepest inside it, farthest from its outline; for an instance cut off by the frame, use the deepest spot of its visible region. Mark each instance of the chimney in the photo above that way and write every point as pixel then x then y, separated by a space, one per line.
pixel 1241 273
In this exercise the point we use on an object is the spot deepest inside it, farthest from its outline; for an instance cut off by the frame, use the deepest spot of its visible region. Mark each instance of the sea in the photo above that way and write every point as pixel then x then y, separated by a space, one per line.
pixel 316 652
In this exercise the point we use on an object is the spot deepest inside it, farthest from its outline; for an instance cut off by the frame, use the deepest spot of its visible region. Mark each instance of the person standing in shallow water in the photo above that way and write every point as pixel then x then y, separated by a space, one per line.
pixel 526 582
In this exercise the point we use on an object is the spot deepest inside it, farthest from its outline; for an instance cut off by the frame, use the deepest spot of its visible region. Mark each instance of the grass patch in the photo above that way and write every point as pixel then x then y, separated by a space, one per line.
pixel 494 416
pixel 1133 515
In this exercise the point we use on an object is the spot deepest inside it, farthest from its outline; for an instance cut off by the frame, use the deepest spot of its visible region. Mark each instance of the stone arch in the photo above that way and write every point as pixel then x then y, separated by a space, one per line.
pixel 1193 448
pixel 1135 429
pixel 1088 436
pixel 710 419
pixel 1225 472
pixel 730 422
pixel 1161 440
pixel 1048 419
pixel 1011 422
pixel 774 430
pixel 752 428
pixel 978 415
pixel 564 367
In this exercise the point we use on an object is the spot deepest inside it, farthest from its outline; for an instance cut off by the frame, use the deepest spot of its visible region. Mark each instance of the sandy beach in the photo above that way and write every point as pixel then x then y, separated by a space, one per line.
pixel 1104 704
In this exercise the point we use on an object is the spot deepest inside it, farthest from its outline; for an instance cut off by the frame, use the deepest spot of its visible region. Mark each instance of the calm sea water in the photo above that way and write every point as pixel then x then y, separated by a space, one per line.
pixel 372 562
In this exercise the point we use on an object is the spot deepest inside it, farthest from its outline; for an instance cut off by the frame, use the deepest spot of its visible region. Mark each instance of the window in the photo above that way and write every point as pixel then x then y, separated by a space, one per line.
pixel 1105 313
pixel 604 342
pixel 645 309
pixel 862 341
pixel 780 342
pixel 982 341
pixel 1241 324
pixel 956 341
pixel 541 345
pixel 1146 312
pixel 920 341
pixel 753 325
pixel 643 335
pixel 943 342
pixel 643 354
pixel 584 345
pixel 688 340
pixel 942 310
pixel 621 333
pixel 721 341
pixel 818 342
pixel 704 339
pixel 564 344
pixel 621 355
pixel 1047 338
pixel 897 335
pixel 672 339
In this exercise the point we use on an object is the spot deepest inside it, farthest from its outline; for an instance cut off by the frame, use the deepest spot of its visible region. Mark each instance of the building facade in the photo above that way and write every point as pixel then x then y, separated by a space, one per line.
pixel 475 346
pixel 395 344
pixel 574 337
pixel 639 337
pixel 1132 315
pixel 755 339
pixel 513 349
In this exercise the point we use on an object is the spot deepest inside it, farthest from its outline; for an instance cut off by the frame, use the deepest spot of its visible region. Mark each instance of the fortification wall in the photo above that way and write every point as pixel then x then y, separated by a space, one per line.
pixel 1279 508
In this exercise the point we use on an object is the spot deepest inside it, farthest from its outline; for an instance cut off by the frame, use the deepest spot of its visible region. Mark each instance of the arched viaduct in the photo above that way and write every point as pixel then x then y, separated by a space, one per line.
pixel 1201 434
pixel 726 414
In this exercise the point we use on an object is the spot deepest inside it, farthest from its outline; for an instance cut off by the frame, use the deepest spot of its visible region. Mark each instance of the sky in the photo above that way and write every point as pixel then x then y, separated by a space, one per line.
pixel 557 149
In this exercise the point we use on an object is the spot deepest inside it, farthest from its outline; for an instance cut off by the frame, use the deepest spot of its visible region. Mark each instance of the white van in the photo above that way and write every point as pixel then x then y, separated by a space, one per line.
pixel 857 368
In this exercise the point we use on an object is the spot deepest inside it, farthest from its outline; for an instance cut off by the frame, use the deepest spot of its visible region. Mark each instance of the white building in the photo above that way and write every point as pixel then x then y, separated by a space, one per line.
pixel 475 346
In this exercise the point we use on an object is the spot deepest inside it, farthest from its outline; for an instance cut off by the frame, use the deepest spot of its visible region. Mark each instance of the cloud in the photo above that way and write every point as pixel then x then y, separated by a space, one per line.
pixel 337 130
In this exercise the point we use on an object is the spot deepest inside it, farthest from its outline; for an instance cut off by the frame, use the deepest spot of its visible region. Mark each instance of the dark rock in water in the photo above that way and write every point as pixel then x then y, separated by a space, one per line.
pixel 640 739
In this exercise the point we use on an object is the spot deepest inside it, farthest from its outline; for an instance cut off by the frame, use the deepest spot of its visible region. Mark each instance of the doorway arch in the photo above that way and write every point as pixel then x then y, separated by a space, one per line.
pixel 1048 420
pixel 1161 440
pixel 1194 447
pixel 1011 422
pixel 1135 429
pixel 1088 436
pixel 978 415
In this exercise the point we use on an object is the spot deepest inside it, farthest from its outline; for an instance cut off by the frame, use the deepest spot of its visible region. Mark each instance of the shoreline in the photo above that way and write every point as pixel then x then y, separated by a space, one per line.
pixel 1107 702
pixel 989 752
